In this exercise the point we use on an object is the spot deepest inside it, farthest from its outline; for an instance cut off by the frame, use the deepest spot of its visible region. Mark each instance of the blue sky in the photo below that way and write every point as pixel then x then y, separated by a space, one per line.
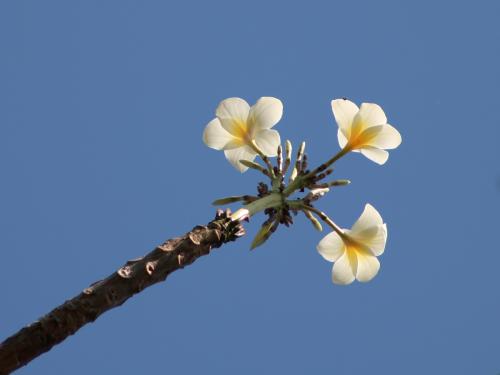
pixel 103 104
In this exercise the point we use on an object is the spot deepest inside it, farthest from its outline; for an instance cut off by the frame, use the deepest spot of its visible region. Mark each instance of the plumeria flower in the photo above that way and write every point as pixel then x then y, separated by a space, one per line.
pixel 365 129
pixel 355 251
pixel 238 127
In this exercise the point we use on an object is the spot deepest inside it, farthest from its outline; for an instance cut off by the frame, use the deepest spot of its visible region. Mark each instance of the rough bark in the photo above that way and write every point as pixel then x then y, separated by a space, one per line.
pixel 136 275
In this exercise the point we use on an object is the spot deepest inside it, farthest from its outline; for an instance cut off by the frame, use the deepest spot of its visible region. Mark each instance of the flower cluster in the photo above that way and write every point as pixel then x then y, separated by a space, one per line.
pixel 244 132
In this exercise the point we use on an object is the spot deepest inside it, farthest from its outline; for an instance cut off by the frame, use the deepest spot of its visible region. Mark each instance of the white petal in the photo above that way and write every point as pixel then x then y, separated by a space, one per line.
pixel 344 269
pixel 387 138
pixel 241 153
pixel 331 247
pixel 235 108
pixel 369 218
pixel 233 114
pixel 374 238
pixel 371 115
pixel 344 111
pixel 375 154
pixel 215 136
pixel 268 141
pixel 265 113
pixel 368 267
pixel 342 139
pixel 377 243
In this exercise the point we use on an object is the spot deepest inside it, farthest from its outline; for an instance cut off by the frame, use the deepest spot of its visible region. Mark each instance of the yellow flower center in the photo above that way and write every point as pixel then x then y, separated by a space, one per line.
pixel 362 136
pixel 354 248
pixel 241 131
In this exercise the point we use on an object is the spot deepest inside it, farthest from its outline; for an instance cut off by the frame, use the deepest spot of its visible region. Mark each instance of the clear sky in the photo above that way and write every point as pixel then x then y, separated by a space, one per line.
pixel 102 108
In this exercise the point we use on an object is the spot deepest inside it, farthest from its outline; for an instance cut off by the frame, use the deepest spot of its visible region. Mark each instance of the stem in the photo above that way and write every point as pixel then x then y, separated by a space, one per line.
pixel 256 166
pixel 266 160
pixel 297 184
pixel 136 275
pixel 325 165
pixel 228 200
pixel 272 200
pixel 326 219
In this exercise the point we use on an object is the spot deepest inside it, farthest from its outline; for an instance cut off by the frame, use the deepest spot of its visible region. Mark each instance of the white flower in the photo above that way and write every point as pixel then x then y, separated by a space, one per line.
pixel 237 125
pixel 355 251
pixel 365 129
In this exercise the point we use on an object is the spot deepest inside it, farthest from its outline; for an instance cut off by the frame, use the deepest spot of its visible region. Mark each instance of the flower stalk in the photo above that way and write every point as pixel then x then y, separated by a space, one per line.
pixel 253 145
pixel 256 166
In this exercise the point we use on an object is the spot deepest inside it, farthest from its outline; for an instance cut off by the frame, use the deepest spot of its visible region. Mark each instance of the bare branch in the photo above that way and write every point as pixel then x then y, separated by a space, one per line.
pixel 135 276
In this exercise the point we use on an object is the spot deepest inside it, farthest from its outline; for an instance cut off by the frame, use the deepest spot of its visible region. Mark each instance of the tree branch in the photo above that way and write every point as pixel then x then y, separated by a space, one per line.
pixel 136 275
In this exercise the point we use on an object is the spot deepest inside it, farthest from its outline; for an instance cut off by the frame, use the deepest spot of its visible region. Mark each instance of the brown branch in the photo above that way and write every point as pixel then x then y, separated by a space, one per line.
pixel 136 275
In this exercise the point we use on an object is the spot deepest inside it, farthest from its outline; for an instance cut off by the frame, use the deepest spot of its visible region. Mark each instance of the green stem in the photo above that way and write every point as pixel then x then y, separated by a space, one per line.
pixel 296 184
pixel 325 165
pixel 326 219
pixel 301 181
pixel 266 160
pixel 273 200
pixel 299 205
pixel 277 199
